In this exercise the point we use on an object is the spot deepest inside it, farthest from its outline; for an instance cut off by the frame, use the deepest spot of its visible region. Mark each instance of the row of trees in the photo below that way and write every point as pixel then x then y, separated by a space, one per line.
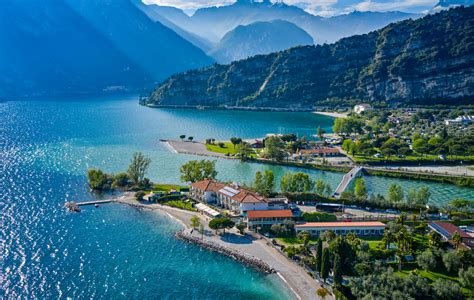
pixel 99 180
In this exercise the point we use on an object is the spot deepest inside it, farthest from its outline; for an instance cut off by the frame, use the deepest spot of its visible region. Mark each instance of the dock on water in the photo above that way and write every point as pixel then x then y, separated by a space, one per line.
pixel 75 206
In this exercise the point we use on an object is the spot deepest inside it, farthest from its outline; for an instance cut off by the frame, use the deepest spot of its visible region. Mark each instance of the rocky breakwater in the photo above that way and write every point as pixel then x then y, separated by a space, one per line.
pixel 237 255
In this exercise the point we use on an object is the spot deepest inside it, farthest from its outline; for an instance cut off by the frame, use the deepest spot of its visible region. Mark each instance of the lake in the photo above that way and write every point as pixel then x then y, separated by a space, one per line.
pixel 117 251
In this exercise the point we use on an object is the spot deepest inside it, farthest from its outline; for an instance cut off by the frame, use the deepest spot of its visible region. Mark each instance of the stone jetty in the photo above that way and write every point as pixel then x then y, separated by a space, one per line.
pixel 237 255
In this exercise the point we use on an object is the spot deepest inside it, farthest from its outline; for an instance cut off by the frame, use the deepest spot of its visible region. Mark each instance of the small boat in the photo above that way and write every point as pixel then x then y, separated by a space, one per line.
pixel 96 205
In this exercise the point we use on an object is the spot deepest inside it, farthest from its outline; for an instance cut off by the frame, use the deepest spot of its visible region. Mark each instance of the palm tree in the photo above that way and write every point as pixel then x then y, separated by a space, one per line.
pixel 401 219
pixel 434 239
pixel 404 244
pixel 457 240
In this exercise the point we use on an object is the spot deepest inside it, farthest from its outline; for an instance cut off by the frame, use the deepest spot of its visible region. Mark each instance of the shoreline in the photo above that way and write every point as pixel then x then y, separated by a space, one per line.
pixel 331 114
pixel 247 249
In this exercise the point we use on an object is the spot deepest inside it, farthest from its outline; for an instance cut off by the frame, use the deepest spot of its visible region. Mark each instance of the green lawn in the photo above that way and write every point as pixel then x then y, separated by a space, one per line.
pixel 373 241
pixel 180 204
pixel 168 187
pixel 227 149
pixel 294 241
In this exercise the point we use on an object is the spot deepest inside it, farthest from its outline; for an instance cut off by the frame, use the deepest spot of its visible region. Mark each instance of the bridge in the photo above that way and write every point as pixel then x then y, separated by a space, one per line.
pixel 346 180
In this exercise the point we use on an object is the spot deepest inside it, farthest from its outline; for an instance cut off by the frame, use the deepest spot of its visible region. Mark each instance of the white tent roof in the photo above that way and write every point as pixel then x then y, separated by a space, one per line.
pixel 207 209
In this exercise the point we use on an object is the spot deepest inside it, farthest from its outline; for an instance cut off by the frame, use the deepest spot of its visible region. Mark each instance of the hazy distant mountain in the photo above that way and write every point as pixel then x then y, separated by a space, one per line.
pixel 424 61
pixel 166 14
pixel 62 47
pixel 153 46
pixel 214 22
pixel 259 38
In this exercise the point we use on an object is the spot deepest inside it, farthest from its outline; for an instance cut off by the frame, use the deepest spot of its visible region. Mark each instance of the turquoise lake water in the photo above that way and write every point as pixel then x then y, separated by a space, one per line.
pixel 116 251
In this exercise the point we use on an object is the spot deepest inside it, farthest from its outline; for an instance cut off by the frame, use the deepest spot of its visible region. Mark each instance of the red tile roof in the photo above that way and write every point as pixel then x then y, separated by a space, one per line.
pixel 282 213
pixel 341 224
pixel 208 185
pixel 451 229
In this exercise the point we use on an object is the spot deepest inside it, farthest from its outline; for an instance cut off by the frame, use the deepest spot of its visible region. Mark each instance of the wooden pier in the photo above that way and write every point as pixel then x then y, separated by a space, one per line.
pixel 75 206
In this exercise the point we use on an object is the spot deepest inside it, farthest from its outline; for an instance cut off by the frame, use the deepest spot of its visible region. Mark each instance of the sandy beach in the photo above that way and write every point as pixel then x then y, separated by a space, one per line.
pixel 294 276
pixel 331 114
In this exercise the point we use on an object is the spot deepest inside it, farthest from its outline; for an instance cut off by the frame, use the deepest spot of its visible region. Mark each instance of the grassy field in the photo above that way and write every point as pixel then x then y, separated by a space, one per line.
pixel 294 241
pixel 180 204
pixel 168 187
pixel 227 149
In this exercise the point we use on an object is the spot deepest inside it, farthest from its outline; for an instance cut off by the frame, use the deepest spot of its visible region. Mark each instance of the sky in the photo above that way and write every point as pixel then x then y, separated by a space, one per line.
pixel 318 7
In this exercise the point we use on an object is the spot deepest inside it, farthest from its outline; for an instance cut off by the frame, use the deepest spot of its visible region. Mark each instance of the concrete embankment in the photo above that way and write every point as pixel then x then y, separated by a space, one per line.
pixel 237 255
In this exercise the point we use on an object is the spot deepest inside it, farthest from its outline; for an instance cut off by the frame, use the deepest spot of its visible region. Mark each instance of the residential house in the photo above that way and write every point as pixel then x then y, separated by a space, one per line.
pixel 447 230
pixel 360 108
pixel 342 228
pixel 462 120
pixel 320 152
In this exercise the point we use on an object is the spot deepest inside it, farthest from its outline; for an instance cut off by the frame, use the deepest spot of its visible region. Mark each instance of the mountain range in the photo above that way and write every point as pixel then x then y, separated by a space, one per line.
pixel 259 38
pixel 64 47
pixel 213 23
pixel 428 60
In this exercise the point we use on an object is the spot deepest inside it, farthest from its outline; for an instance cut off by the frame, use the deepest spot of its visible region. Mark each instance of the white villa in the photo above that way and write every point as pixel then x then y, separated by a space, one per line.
pixel 231 197
pixel 360 108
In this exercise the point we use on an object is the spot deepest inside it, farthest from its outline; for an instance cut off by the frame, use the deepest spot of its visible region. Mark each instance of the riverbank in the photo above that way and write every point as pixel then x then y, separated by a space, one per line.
pixel 294 276
pixel 331 114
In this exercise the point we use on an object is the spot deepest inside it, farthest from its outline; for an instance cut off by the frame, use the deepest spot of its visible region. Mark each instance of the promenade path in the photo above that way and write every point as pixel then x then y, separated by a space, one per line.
pixel 294 276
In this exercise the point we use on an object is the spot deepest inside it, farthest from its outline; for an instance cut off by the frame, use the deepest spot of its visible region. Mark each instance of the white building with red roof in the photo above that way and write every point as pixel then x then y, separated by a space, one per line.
pixel 261 218
pixel 342 228
pixel 231 197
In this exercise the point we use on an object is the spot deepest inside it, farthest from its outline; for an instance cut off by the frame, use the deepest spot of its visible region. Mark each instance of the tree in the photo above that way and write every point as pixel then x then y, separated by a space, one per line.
pixel 457 240
pixel 423 195
pixel 138 167
pixel 227 223
pixel 426 260
pixel 319 254
pixel 215 224
pixel 274 148
pixel 241 227
pixel 235 141
pixel 325 264
pixel 182 137
pixel 466 277
pixel 446 289
pixel 451 261
pixel 337 271
pixel 190 138
pixel 268 183
pixel 304 236
pixel 194 171
pixel 434 240
pixel 139 195
pixel 244 150
pixel 421 146
pixel 404 243
pixel 320 187
pixel 120 180
pixel 195 222
pixel 395 193
pixel 97 179
pixel 412 196
pixel 360 190
pixel 322 293
pixel 258 182
pixel 296 183
pixel 320 132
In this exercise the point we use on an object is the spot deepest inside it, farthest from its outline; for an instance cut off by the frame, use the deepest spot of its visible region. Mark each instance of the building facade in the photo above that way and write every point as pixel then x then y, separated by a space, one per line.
pixel 342 228
pixel 266 218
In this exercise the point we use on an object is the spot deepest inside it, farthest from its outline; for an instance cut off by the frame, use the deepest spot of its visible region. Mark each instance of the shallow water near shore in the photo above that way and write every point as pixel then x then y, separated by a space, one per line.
pixel 117 251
